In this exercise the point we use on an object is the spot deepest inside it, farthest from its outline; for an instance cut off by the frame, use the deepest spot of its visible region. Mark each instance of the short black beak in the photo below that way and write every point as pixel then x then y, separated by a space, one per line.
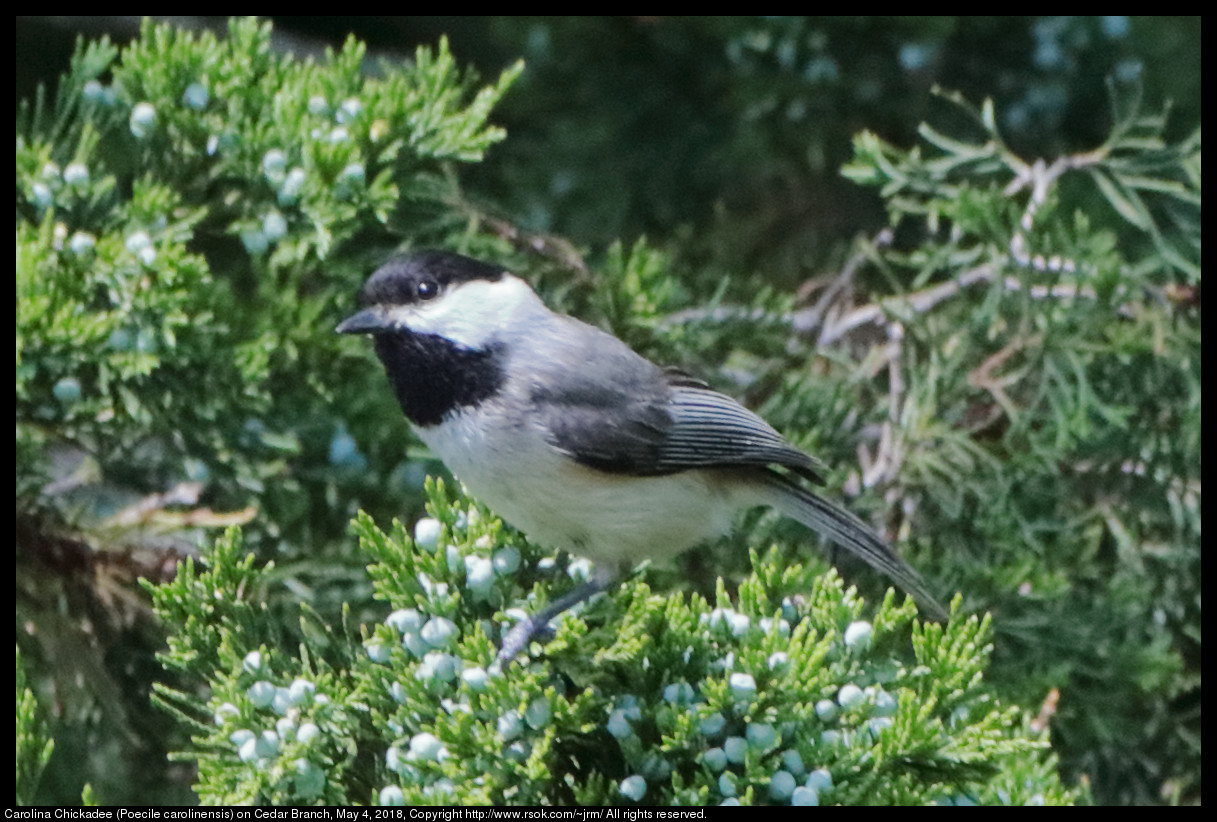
pixel 368 321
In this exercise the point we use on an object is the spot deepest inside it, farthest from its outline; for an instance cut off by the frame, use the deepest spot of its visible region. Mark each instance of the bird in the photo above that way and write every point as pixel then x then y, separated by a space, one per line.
pixel 577 440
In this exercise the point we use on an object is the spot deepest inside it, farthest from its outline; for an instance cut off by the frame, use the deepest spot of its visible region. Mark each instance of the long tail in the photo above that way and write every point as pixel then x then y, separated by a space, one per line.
pixel 840 526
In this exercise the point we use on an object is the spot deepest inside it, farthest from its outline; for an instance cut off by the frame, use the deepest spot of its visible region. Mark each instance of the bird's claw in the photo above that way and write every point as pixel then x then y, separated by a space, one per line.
pixel 521 635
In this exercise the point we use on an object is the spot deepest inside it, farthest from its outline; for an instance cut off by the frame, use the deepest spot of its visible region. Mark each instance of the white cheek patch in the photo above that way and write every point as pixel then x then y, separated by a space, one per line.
pixel 472 313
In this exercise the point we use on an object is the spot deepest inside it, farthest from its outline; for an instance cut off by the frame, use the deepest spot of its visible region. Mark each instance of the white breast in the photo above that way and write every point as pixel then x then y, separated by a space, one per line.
pixel 611 519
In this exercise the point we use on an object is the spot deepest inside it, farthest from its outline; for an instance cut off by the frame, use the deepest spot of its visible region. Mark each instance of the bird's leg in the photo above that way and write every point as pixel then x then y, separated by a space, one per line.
pixel 537 625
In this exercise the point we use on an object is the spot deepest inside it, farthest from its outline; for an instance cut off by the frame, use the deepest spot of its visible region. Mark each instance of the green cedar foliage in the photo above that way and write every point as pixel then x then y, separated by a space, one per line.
pixel 193 215
pixel 1049 427
pixel 780 694
pixel 34 744
pixel 184 231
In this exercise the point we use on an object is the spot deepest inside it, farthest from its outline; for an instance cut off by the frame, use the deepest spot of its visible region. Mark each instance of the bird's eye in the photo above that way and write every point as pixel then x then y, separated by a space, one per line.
pixel 427 289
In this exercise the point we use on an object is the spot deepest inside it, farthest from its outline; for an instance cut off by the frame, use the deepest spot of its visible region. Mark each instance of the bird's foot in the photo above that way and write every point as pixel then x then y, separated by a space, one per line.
pixel 521 635
pixel 537 626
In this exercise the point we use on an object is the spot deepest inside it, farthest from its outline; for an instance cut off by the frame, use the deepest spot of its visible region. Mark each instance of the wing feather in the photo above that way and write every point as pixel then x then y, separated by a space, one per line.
pixel 711 429
pixel 649 421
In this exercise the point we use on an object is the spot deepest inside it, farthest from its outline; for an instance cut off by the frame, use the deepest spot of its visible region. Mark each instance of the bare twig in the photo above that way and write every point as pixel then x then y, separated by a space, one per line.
pixel 889 455
pixel 1041 177
pixel 917 302
pixel 805 321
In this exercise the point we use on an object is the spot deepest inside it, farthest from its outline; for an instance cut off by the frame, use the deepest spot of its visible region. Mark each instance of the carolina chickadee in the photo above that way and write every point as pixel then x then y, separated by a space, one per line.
pixel 574 438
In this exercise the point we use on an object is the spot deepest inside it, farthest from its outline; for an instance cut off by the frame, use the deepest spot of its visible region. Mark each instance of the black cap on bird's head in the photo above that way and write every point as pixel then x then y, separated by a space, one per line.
pixel 413 278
